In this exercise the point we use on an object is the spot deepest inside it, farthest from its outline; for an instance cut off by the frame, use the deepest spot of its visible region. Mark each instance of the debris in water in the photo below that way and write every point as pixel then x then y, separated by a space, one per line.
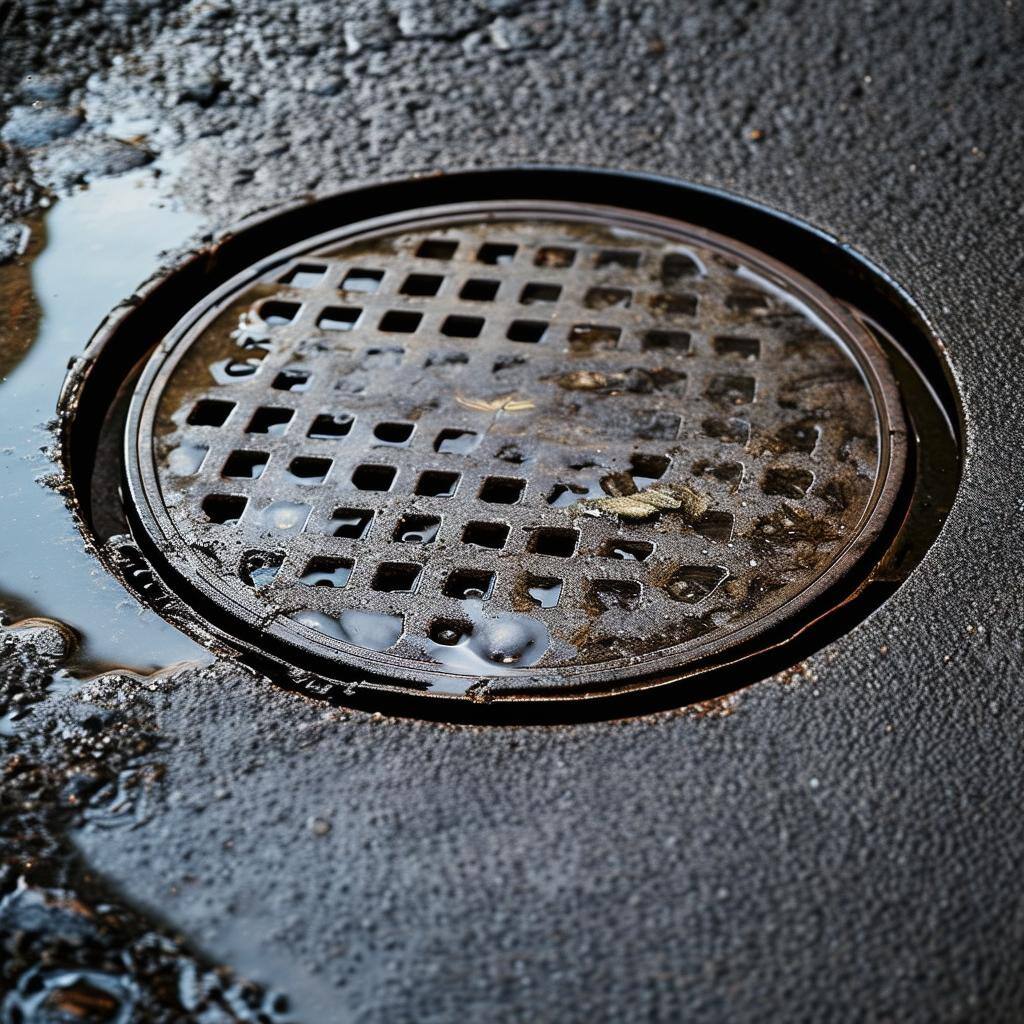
pixel 665 498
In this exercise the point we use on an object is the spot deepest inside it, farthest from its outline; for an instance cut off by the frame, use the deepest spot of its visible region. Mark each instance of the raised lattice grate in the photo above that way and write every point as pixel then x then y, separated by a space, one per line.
pixel 396 452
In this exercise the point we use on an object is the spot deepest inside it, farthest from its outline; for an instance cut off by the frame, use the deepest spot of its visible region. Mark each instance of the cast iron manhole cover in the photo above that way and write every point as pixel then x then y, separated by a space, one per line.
pixel 516 448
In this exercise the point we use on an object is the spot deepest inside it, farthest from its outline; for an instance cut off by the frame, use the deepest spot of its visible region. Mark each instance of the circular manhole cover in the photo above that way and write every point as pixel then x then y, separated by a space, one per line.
pixel 525 448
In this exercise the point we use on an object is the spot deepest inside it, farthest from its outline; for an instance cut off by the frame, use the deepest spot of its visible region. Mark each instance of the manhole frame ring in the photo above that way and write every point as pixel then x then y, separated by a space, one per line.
pixel 659 670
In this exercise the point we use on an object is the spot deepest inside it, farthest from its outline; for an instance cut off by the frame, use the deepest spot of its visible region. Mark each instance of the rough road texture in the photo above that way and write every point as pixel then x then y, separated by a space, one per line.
pixel 843 846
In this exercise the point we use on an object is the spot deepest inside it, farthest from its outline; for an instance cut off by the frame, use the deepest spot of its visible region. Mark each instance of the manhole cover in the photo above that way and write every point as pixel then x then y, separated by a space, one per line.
pixel 513 449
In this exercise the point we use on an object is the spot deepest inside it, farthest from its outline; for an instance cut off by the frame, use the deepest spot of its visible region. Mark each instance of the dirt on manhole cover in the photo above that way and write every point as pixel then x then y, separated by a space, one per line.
pixel 560 449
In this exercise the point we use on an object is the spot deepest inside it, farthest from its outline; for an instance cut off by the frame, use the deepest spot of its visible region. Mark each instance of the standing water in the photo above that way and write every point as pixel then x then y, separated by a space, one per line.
pixel 101 242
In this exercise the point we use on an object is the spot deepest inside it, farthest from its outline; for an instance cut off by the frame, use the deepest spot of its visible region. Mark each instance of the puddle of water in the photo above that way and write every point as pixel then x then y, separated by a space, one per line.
pixel 101 242
pixel 495 644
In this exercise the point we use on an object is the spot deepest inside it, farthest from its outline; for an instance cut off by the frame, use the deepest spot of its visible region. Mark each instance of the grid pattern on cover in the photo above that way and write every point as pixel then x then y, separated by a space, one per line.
pixel 422 427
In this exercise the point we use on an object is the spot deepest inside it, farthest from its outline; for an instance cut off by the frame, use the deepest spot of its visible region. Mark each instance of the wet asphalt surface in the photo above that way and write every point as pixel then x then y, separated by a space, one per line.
pixel 842 843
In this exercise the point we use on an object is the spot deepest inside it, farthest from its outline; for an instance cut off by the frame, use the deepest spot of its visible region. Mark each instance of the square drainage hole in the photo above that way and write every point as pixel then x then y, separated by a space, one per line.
pixel 555 256
pixel 553 540
pixel 628 550
pixel 531 331
pixel 292 380
pixel 360 280
pixel 422 285
pixel 486 535
pixel 351 523
pixel 224 509
pixel 467 584
pixel 400 321
pixel 245 465
pixel 479 290
pixel 257 569
pixel 305 275
pixel 339 318
pixel 496 253
pixel 397 577
pixel 308 470
pixel 374 478
pixel 397 434
pixel 543 591
pixel 327 427
pixel 210 412
pixel 277 314
pixel 502 490
pixel 269 419
pixel 416 529
pixel 323 571
pixel 436 484
pixel 437 249
pixel 462 326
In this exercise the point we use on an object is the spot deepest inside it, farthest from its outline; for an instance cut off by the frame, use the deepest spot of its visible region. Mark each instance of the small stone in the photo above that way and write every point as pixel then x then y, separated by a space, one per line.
pixel 29 127
pixel 319 826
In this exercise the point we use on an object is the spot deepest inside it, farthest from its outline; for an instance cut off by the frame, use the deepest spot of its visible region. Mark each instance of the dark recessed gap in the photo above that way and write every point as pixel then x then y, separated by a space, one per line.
pixel 731 389
pixel 394 433
pixel 353 523
pixel 339 318
pixel 417 529
pixel 245 465
pixel 327 427
pixel 360 280
pixel 585 337
pixel 647 468
pixel 305 275
pixel 462 326
pixel 479 290
pixel 554 540
pixel 732 431
pixel 269 419
pixel 437 249
pixel 257 569
pixel 673 304
pixel 436 484
pixel 310 470
pixel 627 258
pixel 276 313
pixel 486 535
pixel 608 595
pixel 422 285
pixel 400 321
pixel 325 571
pixel 677 341
pixel 224 509
pixel 397 577
pixel 502 490
pixel 452 441
pixel 745 348
pixel 676 266
pixel 539 292
pixel 530 331
pixel 690 584
pixel 449 632
pixel 786 482
pixel 496 253
pixel 555 256
pixel 607 298
pixel 209 412
pixel 374 477
pixel 627 550
pixel 467 584
pixel 292 380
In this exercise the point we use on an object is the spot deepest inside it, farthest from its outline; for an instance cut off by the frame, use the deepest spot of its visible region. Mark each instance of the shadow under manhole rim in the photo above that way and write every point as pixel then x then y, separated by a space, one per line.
pixel 582 375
